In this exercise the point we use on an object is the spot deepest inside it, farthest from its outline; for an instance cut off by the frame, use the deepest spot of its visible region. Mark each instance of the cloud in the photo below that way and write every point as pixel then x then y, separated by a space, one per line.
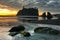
pixel 51 1
pixel 51 5
pixel 48 5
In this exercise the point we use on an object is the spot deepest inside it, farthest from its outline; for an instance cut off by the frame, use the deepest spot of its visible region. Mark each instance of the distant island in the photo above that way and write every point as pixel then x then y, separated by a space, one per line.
pixel 28 15
pixel 28 12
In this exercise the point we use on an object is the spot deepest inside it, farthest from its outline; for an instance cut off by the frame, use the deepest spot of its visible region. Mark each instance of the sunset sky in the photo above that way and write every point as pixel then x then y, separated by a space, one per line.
pixel 11 7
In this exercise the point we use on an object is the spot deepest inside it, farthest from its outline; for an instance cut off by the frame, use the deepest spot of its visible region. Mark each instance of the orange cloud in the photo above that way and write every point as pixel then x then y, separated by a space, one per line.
pixel 7 10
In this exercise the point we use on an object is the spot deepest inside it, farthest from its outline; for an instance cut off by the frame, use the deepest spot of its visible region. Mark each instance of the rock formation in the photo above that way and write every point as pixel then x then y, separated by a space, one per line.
pixel 28 12
pixel 46 30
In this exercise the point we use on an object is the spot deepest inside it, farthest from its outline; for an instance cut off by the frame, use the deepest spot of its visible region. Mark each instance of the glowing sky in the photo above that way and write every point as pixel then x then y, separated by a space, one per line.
pixel 8 7
pixel 6 10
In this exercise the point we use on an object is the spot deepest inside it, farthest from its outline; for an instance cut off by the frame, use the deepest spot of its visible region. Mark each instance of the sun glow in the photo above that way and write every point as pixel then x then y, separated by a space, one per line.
pixel 7 12
pixel 40 12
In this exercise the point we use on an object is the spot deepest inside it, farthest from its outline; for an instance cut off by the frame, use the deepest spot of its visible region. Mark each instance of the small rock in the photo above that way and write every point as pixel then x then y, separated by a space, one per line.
pixel 26 34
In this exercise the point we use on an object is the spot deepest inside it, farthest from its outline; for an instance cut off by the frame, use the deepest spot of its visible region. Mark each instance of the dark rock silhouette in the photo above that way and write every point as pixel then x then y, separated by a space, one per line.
pixel 25 34
pixel 17 29
pixel 28 12
pixel 46 30
pixel 44 15
pixel 49 16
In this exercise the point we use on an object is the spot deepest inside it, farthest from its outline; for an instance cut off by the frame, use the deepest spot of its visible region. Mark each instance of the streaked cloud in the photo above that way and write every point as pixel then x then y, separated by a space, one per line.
pixel 51 1
pixel 47 5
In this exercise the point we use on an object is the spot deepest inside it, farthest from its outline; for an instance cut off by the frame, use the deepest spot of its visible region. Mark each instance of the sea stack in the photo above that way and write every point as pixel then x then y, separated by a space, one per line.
pixel 28 13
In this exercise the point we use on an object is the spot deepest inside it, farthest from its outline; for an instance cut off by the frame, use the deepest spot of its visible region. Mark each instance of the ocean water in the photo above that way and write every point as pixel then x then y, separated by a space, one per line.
pixel 6 23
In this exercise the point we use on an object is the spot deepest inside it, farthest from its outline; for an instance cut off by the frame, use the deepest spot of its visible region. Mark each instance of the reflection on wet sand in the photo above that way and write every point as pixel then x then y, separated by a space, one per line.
pixel 5 25
pixel 7 22
pixel 8 19
pixel 4 33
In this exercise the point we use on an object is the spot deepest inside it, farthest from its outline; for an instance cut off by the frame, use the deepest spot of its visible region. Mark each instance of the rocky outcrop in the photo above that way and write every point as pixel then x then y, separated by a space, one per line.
pixel 46 30
pixel 28 12
pixel 17 29
pixel 49 15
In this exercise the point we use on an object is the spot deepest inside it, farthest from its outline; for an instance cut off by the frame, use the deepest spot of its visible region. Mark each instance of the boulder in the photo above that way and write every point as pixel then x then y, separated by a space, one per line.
pixel 46 30
pixel 17 29
pixel 56 32
pixel 25 34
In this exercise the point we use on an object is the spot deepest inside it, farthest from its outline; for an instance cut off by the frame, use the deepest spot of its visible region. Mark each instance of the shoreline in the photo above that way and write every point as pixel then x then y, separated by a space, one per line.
pixel 52 22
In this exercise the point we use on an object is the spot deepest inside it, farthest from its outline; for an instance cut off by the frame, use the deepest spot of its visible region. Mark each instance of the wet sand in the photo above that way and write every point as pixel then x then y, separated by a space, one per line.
pixel 52 22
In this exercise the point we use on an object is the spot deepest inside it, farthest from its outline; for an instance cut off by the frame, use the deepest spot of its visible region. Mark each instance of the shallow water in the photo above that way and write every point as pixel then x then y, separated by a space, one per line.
pixel 6 23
